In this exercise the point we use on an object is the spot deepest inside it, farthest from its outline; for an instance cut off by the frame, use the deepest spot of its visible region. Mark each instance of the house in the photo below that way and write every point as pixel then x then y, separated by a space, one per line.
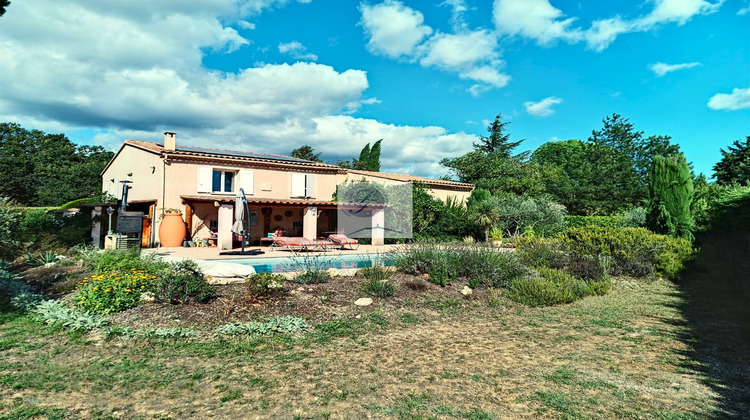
pixel 283 193
pixel 443 190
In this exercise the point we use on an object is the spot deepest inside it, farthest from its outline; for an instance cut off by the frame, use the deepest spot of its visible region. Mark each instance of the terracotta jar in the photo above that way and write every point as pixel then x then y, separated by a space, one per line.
pixel 172 230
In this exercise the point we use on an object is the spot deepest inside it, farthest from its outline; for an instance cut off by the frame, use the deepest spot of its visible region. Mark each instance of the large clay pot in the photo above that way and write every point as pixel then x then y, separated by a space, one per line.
pixel 172 230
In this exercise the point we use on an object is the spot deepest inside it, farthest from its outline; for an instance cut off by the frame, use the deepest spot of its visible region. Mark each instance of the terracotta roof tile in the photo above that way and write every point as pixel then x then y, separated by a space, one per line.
pixel 413 178
pixel 208 153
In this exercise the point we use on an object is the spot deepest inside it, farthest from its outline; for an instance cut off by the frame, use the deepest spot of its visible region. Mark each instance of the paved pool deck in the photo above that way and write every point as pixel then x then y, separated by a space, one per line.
pixel 212 253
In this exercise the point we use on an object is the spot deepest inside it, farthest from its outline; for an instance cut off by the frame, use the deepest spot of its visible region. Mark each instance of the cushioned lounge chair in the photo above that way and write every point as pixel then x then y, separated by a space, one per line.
pixel 341 240
pixel 300 244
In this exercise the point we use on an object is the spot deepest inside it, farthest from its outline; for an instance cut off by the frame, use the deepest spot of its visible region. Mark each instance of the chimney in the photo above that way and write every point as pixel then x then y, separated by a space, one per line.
pixel 170 141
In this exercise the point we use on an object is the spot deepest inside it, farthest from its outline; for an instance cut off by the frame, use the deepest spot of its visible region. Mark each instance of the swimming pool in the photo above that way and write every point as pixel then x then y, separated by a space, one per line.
pixel 304 262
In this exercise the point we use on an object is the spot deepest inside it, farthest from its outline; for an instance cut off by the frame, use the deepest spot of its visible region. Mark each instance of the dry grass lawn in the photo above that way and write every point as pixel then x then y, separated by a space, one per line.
pixel 436 355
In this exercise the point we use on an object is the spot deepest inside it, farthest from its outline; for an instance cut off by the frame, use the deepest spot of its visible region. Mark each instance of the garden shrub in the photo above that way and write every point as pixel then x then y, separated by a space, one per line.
pixel 593 221
pixel 585 267
pixel 123 260
pixel 114 291
pixel 631 249
pixel 479 264
pixel 278 324
pixel 554 286
pixel 635 217
pixel 312 277
pixel 10 219
pixel 266 285
pixel 379 288
pixel 53 312
pixel 182 283
pixel 540 252
pixel 522 213
pixel 378 282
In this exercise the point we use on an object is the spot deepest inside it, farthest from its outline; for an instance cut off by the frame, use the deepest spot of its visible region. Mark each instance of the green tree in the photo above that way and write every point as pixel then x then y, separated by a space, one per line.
pixel 369 159
pixel 734 166
pixel 485 214
pixel 591 179
pixel 3 6
pixel 497 141
pixel 39 169
pixel 619 134
pixel 373 159
pixel 306 152
pixel 493 166
pixel 670 196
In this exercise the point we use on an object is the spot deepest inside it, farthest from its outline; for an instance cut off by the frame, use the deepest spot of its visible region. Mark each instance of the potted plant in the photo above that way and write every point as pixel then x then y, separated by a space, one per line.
pixel 496 237
pixel 172 229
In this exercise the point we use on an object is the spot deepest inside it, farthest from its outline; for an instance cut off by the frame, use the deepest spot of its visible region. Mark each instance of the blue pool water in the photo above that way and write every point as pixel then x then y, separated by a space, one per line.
pixel 307 261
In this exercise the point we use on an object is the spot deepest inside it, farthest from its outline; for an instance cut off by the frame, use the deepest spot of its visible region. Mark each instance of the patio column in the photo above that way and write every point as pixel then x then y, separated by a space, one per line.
pixel 378 227
pixel 224 236
pixel 310 223
pixel 96 230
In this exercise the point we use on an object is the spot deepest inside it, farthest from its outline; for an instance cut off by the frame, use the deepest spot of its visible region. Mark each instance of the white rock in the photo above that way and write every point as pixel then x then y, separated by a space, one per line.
pixel 466 291
pixel 363 302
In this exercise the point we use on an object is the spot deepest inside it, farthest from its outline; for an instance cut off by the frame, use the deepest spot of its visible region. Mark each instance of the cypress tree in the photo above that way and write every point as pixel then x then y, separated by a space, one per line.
pixel 670 196
pixel 373 160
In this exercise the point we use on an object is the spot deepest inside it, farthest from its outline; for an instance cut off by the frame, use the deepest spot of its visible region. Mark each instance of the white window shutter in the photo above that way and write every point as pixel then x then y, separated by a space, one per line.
pixel 205 178
pixel 310 186
pixel 247 179
pixel 298 185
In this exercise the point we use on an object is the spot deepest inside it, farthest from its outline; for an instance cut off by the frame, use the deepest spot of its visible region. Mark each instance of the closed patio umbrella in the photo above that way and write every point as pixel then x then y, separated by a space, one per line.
pixel 241 214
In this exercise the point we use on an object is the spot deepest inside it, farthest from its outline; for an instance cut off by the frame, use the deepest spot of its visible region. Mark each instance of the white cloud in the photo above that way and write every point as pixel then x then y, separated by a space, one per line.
pixel 458 8
pixel 679 11
pixel 472 55
pixel 535 19
pixel 394 29
pixel 142 75
pixel 738 99
pixel 660 69
pixel 745 10
pixel 296 50
pixel 544 23
pixel 542 108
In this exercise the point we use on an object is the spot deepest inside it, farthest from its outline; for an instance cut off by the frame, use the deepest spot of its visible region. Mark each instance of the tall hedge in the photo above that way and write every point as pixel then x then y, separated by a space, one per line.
pixel 670 196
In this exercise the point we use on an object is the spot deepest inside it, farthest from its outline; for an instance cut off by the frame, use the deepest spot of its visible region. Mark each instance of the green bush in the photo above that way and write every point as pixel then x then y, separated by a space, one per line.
pixel 183 282
pixel 53 312
pixel 274 325
pixel 478 264
pixel 312 277
pixel 379 288
pixel 520 214
pixel 266 285
pixel 123 260
pixel 593 221
pixel 375 273
pixel 378 282
pixel 10 219
pixel 554 287
pixel 632 249
pixel 114 291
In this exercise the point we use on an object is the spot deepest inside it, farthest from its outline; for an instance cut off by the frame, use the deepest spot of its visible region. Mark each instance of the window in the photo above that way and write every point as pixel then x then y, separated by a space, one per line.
pixel 223 181
pixel 303 185
pixel 219 180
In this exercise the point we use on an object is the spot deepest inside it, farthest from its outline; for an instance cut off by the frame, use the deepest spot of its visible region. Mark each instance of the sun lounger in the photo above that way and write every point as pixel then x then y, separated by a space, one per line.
pixel 300 244
pixel 342 240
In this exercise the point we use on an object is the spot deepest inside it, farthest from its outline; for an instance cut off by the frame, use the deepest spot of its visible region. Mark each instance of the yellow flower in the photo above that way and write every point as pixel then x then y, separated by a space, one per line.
pixel 96 288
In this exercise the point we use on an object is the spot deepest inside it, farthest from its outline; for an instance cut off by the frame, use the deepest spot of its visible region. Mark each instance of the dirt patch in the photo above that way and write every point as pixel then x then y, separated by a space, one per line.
pixel 314 302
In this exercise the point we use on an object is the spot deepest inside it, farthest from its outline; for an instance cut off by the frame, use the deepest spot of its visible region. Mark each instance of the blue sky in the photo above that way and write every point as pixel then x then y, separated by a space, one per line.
pixel 426 77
